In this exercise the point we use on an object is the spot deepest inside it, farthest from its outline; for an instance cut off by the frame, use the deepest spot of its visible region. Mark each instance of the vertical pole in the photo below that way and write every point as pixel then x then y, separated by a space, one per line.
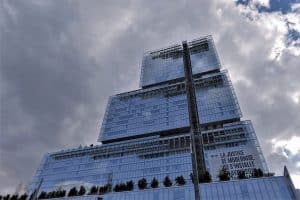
pixel 196 139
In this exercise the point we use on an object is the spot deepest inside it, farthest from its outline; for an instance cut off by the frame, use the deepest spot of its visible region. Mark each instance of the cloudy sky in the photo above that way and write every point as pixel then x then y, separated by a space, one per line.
pixel 60 60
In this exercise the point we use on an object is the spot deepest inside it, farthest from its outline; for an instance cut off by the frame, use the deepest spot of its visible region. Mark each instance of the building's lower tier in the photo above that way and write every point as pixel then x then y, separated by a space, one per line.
pixel 267 188
pixel 232 145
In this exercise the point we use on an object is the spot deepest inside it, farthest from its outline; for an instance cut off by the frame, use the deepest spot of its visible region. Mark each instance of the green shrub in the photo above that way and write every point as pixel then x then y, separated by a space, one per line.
pixel 142 183
pixel 154 183
pixel 167 182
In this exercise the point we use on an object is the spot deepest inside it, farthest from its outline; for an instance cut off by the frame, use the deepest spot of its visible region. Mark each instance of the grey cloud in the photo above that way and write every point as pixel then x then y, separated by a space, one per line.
pixel 61 60
pixel 45 81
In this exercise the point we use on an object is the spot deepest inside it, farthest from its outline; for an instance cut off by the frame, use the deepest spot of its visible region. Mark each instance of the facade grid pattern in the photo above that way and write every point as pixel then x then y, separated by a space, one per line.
pixel 146 134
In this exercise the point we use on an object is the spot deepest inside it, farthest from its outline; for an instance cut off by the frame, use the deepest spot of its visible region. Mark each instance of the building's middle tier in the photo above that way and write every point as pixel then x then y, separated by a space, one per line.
pixel 159 110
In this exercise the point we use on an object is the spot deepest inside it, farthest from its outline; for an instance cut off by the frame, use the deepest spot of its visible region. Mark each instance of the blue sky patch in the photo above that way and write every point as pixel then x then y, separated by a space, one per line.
pixel 283 6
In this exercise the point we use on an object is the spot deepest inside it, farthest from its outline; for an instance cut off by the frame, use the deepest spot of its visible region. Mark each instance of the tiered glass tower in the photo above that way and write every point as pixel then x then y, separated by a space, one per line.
pixel 184 121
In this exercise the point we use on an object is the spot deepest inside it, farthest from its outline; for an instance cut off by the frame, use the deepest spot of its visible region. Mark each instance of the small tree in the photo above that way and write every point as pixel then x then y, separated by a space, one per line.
pixel 180 180
pixel 6 197
pixel 122 187
pixel 142 183
pixel 167 182
pixel 117 188
pixel 129 185
pixel 0 197
pixel 81 191
pixel 256 173
pixel 63 194
pixel 224 174
pixel 241 174
pixel 51 195
pixel 42 195
pixel 73 192
pixel 23 197
pixel 101 190
pixel 94 190
pixel 60 193
pixel 108 187
pixel 57 194
pixel 154 183
pixel 205 178
pixel 14 197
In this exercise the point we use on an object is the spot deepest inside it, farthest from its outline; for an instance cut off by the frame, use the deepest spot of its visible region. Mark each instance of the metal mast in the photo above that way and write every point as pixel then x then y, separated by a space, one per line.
pixel 196 139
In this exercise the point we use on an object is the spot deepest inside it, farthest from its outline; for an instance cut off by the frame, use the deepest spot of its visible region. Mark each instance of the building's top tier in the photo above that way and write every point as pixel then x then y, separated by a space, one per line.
pixel 166 64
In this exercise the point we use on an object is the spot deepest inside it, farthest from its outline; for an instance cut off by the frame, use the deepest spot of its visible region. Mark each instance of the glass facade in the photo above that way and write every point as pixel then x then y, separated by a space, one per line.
pixel 163 108
pixel 149 158
pixel 270 188
pixel 166 64
pixel 146 134
pixel 234 146
pixel 144 112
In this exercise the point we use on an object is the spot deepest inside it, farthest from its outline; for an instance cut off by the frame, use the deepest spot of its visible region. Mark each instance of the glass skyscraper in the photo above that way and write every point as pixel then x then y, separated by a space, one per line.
pixel 147 133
